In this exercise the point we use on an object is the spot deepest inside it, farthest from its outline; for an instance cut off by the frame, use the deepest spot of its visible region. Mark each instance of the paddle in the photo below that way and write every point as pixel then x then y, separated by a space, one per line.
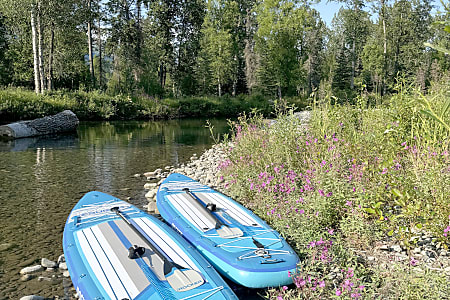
pixel 179 278
pixel 223 230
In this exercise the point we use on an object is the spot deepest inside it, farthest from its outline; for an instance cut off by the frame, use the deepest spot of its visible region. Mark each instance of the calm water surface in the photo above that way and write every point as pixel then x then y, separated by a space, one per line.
pixel 41 179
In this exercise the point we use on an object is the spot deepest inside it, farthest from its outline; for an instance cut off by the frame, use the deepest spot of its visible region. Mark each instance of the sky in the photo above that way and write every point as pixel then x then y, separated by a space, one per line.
pixel 328 9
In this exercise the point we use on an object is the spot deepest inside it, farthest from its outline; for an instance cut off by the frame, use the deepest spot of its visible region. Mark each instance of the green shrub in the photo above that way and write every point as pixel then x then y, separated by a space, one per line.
pixel 17 104
pixel 359 172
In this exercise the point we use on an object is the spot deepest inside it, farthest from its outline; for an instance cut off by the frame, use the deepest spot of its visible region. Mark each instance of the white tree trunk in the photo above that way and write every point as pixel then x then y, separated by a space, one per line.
pixel 91 55
pixel 100 71
pixel 383 15
pixel 37 80
pixel 352 79
pixel 40 46
pixel 50 60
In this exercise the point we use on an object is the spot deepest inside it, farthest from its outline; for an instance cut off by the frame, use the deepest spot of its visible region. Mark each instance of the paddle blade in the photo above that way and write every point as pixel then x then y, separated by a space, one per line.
pixel 229 232
pixel 184 280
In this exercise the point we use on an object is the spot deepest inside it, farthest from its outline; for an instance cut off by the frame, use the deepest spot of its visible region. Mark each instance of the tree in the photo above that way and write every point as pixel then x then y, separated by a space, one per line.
pixel 4 62
pixel 351 28
pixel 408 28
pixel 190 15
pixel 250 56
pixel 281 26
pixel 314 42
pixel 217 46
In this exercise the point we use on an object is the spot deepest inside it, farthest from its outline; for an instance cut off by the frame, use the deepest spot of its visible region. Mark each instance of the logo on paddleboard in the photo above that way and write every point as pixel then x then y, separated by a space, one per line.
pixel 189 285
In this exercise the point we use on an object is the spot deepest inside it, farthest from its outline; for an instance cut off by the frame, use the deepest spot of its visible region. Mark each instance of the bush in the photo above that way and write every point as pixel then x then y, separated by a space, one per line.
pixel 18 104
pixel 355 175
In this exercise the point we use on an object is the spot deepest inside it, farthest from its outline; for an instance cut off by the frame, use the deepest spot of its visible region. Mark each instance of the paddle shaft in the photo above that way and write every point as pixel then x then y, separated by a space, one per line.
pixel 207 211
pixel 149 244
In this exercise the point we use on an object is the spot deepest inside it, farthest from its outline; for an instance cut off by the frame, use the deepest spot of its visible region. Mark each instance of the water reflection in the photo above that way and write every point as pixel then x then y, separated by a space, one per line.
pixel 42 178
pixel 31 143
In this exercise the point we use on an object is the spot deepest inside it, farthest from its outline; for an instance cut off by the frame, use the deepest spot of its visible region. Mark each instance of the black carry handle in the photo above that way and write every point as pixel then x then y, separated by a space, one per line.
pixel 179 278
pixel 222 229
pixel 168 265
pixel 219 223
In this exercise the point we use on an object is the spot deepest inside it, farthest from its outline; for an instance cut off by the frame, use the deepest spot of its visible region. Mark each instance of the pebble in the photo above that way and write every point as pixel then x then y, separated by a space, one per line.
pixel 31 269
pixel 46 263
pixel 6 246
pixel 384 248
pixel 431 254
pixel 63 266
pixel 32 297
pixel 447 271
pixel 137 175
pixel 61 259
pixel 66 274
pixel 26 277
pixel 149 185
pixel 150 194
pixel 396 248
pixel 149 174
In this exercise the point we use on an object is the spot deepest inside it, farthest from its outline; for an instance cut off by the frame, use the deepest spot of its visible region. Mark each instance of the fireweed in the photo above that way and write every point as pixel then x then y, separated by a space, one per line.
pixel 358 173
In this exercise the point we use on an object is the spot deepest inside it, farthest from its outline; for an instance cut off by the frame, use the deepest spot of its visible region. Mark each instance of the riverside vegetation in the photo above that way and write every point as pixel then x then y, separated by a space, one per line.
pixel 359 176
pixel 17 103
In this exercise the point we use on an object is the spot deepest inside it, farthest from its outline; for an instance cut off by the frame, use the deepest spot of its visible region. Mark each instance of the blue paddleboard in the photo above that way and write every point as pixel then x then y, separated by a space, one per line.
pixel 113 250
pixel 239 244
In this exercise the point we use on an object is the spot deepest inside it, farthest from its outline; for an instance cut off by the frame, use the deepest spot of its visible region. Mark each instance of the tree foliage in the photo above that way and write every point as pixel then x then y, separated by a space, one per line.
pixel 192 47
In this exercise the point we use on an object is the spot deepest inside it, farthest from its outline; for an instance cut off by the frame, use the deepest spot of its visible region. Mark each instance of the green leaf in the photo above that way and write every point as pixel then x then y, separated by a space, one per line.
pixel 377 205
pixel 390 233
pixel 397 193
pixel 370 210
pixel 445 108
pixel 419 225
pixel 438 48
pixel 447 28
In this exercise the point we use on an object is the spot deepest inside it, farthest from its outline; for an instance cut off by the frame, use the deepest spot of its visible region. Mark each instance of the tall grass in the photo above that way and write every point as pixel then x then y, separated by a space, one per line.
pixel 357 174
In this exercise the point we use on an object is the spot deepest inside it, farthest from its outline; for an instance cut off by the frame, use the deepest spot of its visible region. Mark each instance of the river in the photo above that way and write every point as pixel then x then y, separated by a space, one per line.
pixel 42 178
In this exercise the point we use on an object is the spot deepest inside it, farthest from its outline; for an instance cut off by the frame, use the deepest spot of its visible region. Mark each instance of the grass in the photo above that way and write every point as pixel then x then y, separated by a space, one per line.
pixel 359 174
pixel 18 104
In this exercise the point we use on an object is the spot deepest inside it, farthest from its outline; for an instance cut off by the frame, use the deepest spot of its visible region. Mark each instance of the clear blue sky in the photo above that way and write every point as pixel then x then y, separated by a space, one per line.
pixel 328 9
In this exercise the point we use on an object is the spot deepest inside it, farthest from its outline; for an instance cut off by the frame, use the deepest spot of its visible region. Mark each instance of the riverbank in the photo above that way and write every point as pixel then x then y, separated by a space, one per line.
pixel 362 194
pixel 384 260
pixel 20 104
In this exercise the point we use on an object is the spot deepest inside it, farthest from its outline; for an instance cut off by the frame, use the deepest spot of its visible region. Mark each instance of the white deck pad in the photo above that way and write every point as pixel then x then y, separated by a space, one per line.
pixel 229 207
pixel 105 265
pixel 166 244
pixel 181 203
pixel 121 277
pixel 178 186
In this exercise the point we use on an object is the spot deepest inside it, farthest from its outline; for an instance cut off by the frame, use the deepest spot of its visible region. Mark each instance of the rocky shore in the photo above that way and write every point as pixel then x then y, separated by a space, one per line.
pixel 50 272
pixel 203 169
